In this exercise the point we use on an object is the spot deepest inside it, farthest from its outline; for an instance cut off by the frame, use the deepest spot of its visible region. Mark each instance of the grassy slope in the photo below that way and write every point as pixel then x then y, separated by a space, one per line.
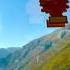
pixel 60 61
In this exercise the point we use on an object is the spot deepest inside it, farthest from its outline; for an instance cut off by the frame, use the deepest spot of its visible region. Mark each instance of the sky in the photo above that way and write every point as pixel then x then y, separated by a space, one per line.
pixel 22 21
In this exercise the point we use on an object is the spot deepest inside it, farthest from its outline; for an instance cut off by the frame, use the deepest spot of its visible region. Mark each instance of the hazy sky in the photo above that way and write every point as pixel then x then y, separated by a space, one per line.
pixel 21 21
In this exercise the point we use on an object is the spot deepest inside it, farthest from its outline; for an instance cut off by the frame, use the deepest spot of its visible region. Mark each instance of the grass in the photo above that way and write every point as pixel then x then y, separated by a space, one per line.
pixel 60 61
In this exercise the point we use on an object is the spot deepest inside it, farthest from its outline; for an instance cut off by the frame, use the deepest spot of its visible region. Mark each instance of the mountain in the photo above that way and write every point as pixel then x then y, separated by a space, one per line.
pixel 5 55
pixel 5 52
pixel 39 53
pixel 50 52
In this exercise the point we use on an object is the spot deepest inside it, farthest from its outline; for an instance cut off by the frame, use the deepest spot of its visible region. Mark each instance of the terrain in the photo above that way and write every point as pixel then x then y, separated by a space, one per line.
pixel 50 52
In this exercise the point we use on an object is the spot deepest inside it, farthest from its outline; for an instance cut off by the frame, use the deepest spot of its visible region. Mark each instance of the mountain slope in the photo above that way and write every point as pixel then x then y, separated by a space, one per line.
pixel 46 53
pixel 5 56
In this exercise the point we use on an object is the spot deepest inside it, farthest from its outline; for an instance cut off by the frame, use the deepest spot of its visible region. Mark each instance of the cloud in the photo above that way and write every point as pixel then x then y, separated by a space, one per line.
pixel 34 13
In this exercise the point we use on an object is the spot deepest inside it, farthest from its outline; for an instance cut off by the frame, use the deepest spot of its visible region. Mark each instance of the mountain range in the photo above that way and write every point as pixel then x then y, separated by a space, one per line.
pixel 50 52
